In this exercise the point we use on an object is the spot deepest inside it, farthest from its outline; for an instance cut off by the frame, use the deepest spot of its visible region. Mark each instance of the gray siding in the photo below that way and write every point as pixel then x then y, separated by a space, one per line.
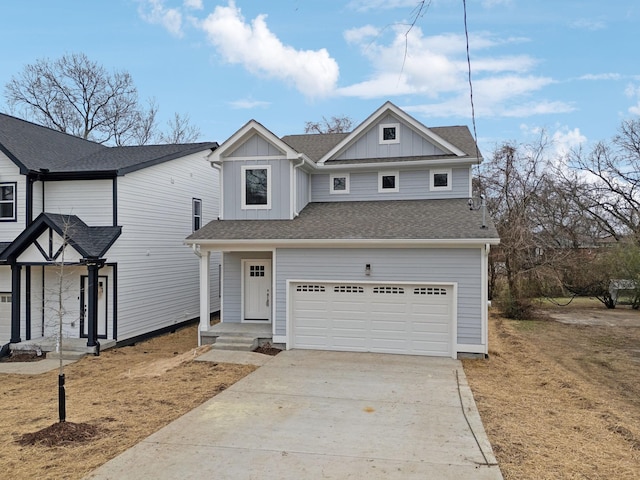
pixel 231 286
pixel 413 265
pixel 280 188
pixel 414 185
pixel 303 185
pixel 256 146
pixel 411 144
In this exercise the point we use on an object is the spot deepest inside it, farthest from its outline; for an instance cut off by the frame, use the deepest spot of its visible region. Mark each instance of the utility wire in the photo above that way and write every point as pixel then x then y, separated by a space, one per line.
pixel 473 112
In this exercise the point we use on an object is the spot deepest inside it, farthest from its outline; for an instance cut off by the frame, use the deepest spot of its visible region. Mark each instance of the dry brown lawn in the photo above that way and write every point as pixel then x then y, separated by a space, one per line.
pixel 127 393
pixel 562 401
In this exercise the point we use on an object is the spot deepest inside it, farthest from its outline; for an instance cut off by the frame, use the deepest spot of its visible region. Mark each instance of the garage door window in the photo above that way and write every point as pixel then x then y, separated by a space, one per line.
pixel 348 289
pixel 429 291
pixel 310 288
pixel 389 290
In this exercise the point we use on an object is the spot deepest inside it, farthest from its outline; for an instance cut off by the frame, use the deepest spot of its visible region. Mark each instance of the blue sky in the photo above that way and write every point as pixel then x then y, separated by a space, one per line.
pixel 570 67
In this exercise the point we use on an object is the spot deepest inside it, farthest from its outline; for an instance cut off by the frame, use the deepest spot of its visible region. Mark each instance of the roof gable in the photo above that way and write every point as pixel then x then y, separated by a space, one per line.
pixel 425 142
pixel 254 132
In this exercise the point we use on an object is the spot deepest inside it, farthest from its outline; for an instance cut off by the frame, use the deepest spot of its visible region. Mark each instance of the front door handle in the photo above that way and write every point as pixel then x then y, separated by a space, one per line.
pixel 267 297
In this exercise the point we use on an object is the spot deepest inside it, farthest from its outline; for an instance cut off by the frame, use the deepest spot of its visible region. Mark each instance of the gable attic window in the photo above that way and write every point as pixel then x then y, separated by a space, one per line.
pixel 8 202
pixel 256 187
pixel 339 183
pixel 440 179
pixel 388 182
pixel 389 133
pixel 197 213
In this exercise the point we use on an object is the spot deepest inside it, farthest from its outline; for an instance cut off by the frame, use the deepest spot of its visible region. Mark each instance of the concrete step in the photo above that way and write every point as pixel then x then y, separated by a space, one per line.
pixel 66 355
pixel 234 343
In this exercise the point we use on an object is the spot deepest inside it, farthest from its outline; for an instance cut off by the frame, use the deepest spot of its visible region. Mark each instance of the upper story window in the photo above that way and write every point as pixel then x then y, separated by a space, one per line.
pixel 339 183
pixel 197 213
pixel 256 187
pixel 440 179
pixel 389 133
pixel 388 182
pixel 8 202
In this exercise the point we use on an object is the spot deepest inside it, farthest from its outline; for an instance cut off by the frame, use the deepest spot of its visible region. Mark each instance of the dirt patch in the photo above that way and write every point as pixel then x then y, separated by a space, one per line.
pixel 24 357
pixel 561 400
pixel 267 349
pixel 113 402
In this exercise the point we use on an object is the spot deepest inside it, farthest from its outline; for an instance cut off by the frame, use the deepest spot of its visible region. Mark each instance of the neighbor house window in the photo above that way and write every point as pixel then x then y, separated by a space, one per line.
pixel 7 202
pixel 440 179
pixel 256 187
pixel 388 182
pixel 197 213
pixel 339 183
pixel 389 133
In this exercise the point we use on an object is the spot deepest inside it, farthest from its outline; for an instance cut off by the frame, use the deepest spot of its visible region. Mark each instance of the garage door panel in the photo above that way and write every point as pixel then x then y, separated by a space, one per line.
pixel 386 318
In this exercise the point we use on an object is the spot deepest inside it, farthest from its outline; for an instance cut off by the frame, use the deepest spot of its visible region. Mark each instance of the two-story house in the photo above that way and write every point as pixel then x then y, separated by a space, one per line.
pixel 123 214
pixel 361 241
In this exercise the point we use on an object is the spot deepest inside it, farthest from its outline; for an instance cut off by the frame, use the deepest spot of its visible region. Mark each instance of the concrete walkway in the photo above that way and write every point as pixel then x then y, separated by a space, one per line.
pixel 312 414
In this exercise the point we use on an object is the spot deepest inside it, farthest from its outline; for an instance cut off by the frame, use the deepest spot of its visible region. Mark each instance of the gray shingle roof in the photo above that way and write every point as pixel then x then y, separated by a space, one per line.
pixel 34 147
pixel 316 145
pixel 449 219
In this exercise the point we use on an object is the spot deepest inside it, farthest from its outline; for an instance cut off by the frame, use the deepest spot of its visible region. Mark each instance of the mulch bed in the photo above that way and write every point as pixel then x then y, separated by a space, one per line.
pixel 268 350
pixel 61 433
pixel 23 357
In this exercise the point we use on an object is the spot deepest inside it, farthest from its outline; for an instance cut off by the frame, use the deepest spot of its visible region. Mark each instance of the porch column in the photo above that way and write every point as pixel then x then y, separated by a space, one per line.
pixel 92 305
pixel 15 303
pixel 205 307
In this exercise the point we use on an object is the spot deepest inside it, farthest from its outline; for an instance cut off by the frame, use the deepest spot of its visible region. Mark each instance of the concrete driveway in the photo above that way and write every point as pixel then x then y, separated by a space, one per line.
pixel 310 414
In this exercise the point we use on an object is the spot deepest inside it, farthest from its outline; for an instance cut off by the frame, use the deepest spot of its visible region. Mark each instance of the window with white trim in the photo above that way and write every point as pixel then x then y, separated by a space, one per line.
pixel 388 182
pixel 256 187
pixel 339 183
pixel 389 133
pixel 197 213
pixel 440 179
pixel 8 202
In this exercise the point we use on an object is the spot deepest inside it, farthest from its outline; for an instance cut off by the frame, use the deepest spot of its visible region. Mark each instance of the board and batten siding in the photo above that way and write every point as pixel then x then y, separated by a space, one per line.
pixel 90 200
pixel 460 265
pixel 232 283
pixel 413 185
pixel 411 144
pixel 158 280
pixel 280 191
pixel 10 173
pixel 256 146
pixel 303 186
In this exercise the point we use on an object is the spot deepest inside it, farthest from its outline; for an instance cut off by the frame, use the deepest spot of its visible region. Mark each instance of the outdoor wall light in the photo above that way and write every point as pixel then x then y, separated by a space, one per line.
pixel 367 269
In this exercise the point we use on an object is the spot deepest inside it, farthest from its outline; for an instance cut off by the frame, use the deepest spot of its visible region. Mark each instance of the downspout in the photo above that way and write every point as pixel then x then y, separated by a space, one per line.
pixel 295 186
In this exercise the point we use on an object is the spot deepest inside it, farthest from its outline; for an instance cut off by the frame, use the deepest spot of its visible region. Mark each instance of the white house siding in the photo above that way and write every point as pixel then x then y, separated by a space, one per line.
pixel 462 266
pixel 91 200
pixel 5 309
pixel 232 287
pixel 413 185
pixel 38 198
pixel 411 144
pixel 280 191
pixel 158 284
pixel 9 172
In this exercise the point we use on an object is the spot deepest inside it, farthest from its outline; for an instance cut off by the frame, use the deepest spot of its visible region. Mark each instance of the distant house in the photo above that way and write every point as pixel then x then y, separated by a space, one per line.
pixel 124 212
pixel 360 241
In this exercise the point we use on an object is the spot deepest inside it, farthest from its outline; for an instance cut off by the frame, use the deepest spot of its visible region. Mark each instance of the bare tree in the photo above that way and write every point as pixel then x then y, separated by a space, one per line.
pixel 333 125
pixel 180 130
pixel 76 95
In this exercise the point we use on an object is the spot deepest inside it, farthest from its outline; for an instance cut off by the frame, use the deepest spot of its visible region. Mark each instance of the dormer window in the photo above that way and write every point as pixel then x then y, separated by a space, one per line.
pixel 440 179
pixel 339 183
pixel 388 182
pixel 389 133
pixel 256 187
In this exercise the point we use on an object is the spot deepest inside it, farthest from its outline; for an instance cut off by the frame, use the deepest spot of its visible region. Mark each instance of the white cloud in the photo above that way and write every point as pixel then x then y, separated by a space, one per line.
pixel 633 91
pixel 155 12
pixel 600 76
pixel 194 4
pixel 248 104
pixel 252 45
pixel 587 24
pixel 361 34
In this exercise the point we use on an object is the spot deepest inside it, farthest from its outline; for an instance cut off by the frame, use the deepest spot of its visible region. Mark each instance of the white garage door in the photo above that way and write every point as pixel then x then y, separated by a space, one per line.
pixel 385 318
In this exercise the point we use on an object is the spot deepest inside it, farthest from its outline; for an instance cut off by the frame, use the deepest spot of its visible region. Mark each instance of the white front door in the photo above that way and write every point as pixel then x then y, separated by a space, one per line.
pixel 257 291
pixel 102 306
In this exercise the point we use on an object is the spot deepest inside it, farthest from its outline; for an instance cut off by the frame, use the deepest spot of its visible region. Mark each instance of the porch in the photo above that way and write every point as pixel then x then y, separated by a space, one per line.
pixel 72 348
pixel 237 336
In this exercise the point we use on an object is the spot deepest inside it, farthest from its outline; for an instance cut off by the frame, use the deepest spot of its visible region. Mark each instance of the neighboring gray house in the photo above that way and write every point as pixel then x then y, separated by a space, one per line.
pixel 361 241
pixel 125 212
